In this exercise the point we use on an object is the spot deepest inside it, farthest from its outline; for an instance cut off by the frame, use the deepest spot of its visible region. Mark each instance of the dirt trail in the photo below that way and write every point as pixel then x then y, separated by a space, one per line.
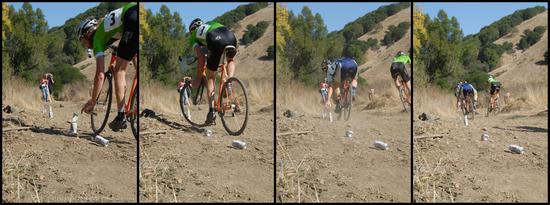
pixel 323 165
pixel 47 165
pixel 184 165
pixel 459 167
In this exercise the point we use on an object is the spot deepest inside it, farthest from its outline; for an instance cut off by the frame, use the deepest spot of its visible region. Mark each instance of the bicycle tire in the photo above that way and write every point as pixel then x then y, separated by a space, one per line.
pixel 98 127
pixel 347 104
pixel 197 99
pixel 234 81
pixel 133 118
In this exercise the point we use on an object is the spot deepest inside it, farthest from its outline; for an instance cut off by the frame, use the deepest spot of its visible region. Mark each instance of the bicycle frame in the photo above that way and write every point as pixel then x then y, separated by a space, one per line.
pixel 127 107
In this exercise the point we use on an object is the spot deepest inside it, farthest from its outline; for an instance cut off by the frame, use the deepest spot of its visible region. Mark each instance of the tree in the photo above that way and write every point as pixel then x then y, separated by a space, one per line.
pixel 253 33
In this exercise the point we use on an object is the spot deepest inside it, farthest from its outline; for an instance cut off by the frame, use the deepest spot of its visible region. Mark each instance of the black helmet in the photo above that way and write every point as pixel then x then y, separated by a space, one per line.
pixel 194 24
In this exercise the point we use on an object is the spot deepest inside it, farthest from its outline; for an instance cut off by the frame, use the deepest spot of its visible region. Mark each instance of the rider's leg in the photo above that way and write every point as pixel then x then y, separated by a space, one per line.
pixel 210 85
pixel 408 92
pixel 120 84
pixel 230 67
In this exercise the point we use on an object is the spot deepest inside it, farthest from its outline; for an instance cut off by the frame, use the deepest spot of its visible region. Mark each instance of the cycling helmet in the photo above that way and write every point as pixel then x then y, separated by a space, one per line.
pixel 400 53
pixel 325 64
pixel 84 26
pixel 194 24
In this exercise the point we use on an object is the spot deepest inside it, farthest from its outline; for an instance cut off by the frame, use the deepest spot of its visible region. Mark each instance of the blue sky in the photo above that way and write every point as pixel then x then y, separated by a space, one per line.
pixel 336 15
pixel 190 11
pixel 474 16
pixel 57 13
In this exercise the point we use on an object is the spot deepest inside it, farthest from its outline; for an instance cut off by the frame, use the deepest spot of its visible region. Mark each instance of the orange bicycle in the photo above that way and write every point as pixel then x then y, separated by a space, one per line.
pixel 231 103
pixel 103 104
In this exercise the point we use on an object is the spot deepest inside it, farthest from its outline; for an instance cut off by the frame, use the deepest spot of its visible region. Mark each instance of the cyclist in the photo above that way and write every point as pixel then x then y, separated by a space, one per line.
pixel 323 89
pixel 342 69
pixel 181 84
pixel 398 68
pixel 118 24
pixel 215 37
pixel 462 90
pixel 495 90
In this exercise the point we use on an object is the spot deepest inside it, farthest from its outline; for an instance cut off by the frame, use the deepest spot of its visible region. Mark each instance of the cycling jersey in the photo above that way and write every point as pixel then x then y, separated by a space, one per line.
pixel 110 28
pixel 198 36
pixel 402 59
pixel 342 69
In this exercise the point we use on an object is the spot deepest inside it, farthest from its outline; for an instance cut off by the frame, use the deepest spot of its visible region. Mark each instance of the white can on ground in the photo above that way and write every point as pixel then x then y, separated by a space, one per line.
pixel 238 144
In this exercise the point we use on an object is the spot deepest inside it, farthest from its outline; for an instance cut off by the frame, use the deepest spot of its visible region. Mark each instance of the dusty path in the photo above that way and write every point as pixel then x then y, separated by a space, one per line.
pixel 47 165
pixel 323 165
pixel 184 165
pixel 460 167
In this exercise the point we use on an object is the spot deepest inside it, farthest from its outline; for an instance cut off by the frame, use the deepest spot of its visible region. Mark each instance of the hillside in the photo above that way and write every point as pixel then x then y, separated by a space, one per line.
pixel 249 65
pixel 521 67
pixel 379 61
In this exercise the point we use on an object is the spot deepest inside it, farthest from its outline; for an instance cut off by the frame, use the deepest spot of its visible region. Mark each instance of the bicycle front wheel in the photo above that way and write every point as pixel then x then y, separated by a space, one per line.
pixel 102 108
pixel 234 106
pixel 133 116
pixel 194 110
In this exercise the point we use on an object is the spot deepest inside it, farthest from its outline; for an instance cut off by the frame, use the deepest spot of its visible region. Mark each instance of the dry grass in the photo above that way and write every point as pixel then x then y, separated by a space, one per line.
pixel 260 92
pixel 434 101
pixel 19 177
pixel 159 98
pixel 296 180
pixel 295 96
pixel 157 179
pixel 21 94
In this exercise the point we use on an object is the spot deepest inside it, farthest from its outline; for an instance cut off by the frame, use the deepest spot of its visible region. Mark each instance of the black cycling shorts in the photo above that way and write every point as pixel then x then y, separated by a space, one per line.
pixel 399 69
pixel 216 40
pixel 494 88
pixel 128 46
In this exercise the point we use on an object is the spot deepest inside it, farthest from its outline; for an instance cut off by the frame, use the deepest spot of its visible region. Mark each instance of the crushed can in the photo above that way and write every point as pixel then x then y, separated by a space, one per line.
pixel 516 149
pixel 208 133
pixel 380 145
pixel 238 144
pixel 101 140
pixel 484 137
pixel 349 133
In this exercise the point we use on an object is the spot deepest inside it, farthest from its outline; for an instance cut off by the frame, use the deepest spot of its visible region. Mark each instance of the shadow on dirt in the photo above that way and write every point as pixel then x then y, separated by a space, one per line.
pixel 151 114
pixel 524 129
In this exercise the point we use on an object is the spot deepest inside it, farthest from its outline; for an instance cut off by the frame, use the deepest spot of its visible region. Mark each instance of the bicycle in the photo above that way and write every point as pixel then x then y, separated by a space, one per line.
pixel 103 102
pixel 231 103
pixel 326 109
pixel 402 93
pixel 345 101
pixel 495 110
pixel 468 108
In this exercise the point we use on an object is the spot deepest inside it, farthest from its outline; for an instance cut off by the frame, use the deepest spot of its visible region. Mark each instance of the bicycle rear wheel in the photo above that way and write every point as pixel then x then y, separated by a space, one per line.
pixel 102 108
pixel 347 105
pixel 194 110
pixel 234 106
pixel 133 116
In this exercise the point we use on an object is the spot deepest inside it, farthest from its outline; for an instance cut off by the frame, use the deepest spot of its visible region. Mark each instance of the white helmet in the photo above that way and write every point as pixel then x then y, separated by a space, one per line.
pixel 194 24
pixel 83 27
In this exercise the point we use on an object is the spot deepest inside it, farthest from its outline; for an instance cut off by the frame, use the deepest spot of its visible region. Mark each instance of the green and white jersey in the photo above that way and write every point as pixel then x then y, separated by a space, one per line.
pixel 402 59
pixel 110 27
pixel 198 36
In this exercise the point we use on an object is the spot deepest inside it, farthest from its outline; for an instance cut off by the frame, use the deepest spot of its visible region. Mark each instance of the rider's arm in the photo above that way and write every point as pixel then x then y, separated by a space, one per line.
pixel 99 77
pixel 200 56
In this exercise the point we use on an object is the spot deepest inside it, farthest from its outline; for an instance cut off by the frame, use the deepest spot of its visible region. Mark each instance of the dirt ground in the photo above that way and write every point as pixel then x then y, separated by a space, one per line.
pixel 184 165
pixel 322 165
pixel 44 164
pixel 459 167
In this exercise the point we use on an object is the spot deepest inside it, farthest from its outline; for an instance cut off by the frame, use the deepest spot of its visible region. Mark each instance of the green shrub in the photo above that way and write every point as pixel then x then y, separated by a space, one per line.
pixel 253 33
pixel 529 37
pixel 395 33
pixel 270 52
pixel 231 17
pixel 64 74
